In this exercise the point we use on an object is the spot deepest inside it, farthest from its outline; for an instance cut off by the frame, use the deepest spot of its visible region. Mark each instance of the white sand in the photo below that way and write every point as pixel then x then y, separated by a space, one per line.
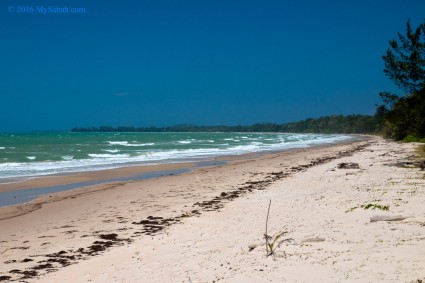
pixel 316 203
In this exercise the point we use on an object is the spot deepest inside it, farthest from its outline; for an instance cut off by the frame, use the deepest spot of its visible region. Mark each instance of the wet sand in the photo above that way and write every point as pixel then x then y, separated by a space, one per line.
pixel 102 175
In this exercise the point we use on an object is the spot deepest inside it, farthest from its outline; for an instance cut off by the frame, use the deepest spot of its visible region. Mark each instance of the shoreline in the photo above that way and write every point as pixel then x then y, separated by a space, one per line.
pixel 24 191
pixel 115 225
pixel 96 160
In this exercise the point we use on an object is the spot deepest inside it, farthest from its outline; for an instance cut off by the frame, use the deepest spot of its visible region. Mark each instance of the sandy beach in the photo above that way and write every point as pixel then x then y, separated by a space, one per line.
pixel 349 213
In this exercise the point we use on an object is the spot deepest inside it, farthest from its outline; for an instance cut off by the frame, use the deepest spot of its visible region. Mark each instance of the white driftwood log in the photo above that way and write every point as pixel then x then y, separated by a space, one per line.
pixel 387 218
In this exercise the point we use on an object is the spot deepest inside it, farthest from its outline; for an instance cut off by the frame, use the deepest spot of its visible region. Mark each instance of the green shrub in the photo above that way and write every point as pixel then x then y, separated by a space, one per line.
pixel 412 138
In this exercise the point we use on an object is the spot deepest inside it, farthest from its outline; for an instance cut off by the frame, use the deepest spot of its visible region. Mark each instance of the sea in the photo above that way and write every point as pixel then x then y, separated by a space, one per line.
pixel 27 155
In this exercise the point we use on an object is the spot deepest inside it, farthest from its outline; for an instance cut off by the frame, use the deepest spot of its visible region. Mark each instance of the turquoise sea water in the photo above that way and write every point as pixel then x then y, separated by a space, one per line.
pixel 38 154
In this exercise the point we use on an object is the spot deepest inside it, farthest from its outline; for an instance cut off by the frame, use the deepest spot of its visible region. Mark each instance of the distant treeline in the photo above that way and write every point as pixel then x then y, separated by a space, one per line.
pixel 336 124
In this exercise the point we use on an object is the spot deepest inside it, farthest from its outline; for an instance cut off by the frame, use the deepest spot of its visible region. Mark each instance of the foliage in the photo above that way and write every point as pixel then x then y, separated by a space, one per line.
pixel 405 59
pixel 370 205
pixel 407 117
pixel 375 206
pixel 405 66
pixel 273 243
pixel 351 124
pixel 412 138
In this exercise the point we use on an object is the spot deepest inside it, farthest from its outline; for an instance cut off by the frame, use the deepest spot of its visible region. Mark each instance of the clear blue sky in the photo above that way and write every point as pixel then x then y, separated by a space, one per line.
pixel 154 62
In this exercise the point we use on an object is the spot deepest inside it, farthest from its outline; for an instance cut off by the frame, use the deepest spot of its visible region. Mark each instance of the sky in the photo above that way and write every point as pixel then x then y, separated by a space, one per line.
pixel 209 62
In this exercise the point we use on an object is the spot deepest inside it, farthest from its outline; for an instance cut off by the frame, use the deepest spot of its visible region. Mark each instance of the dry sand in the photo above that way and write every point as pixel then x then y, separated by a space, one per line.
pixel 212 217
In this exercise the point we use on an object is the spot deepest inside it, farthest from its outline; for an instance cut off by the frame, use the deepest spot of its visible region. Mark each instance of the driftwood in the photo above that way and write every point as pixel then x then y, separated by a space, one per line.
pixel 387 218
pixel 313 240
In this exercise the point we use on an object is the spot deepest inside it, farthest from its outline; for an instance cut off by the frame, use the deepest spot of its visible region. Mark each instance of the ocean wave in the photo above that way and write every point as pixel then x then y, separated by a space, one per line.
pixel 112 150
pixel 125 143
pixel 94 155
pixel 67 157
pixel 118 142
pixel 31 157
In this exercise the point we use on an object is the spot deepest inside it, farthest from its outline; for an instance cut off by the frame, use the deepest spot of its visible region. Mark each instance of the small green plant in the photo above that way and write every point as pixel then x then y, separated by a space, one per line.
pixel 412 138
pixel 375 206
pixel 351 209
pixel 272 243
pixel 370 205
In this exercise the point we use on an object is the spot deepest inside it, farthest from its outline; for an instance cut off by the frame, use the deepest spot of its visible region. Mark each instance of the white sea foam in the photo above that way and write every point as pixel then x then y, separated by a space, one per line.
pixel 2 147
pixel 184 142
pixel 125 143
pixel 118 142
pixel 31 157
pixel 112 150
pixel 143 144
pixel 108 155
pixel 67 157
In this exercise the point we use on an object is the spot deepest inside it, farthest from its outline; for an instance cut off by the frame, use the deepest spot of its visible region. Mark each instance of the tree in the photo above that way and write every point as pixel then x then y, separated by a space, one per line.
pixel 405 66
pixel 405 59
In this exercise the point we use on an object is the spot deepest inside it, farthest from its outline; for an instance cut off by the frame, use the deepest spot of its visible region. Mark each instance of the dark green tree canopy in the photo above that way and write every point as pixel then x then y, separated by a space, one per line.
pixel 405 59
pixel 405 66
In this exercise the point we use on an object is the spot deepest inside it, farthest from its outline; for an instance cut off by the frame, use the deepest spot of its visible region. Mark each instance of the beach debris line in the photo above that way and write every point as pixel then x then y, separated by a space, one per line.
pixel 99 246
pixel 63 258
pixel 155 225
